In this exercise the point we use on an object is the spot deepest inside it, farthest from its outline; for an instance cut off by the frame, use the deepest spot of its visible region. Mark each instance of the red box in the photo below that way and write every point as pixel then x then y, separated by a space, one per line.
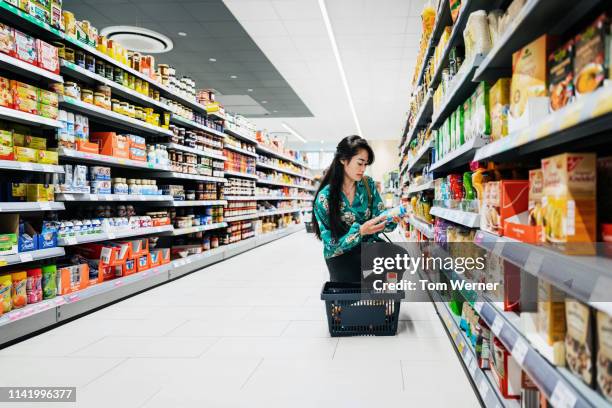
pixel 505 370
pixel 143 263
pixel 165 255
pixel 129 267
pixel 110 254
pixel 502 200
pixel 112 144
pixel 72 278
pixel 87 147
pixel 25 47
pixel 7 40
pixel 106 273
pixel 531 234
pixel 47 57
pixel 161 221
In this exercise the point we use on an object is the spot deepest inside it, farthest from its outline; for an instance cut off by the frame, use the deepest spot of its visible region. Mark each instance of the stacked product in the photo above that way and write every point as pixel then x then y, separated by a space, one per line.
pixel 25 148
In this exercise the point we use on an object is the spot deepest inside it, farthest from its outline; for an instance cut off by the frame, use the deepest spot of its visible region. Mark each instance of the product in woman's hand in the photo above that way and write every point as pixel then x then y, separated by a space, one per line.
pixel 399 211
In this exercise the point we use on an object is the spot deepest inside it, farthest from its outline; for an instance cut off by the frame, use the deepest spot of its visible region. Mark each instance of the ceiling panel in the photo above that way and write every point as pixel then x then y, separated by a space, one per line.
pixel 297 9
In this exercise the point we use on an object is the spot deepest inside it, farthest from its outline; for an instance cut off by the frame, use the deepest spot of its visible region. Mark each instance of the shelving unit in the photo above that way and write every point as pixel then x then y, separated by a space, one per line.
pixel 30 256
pixel 239 150
pixel 231 173
pixel 27 118
pixel 426 228
pixel 109 236
pixel 185 176
pixel 23 68
pixel 468 219
pixel 194 125
pixel 281 170
pixel 240 135
pixel 13 207
pixel 241 217
pixel 279 212
pixel 110 118
pixel 415 188
pixel 198 228
pixel 188 203
pixel 36 167
pixel 198 152
pixel 462 155
pixel 273 153
pixel 105 160
pixel 84 197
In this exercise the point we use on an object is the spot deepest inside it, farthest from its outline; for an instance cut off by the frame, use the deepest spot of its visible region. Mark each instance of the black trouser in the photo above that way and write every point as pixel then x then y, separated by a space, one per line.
pixel 345 267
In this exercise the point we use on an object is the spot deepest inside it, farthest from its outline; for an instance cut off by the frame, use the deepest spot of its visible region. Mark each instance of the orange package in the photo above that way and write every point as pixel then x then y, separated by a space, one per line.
pixel 112 144
pixel 87 147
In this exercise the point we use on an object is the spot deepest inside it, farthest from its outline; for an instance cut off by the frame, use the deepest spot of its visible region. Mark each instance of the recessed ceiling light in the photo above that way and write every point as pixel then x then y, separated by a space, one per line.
pixel 212 59
pixel 233 76
pixel 322 142
pixel 250 90
pixel 274 111
pixel 138 39
pixel 264 101
pixel 182 34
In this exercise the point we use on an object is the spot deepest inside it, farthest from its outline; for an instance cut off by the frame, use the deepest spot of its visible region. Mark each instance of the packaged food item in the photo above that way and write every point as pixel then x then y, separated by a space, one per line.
pixel 25 154
pixel 34 286
pixel 40 192
pixel 112 144
pixel 499 99
pixel 26 105
pixel 7 40
pixel 481 119
pixel 476 35
pixel 49 284
pixel 604 354
pixel 569 202
pixel 47 56
pixel 34 142
pixel 6 93
pixel 48 111
pixel 579 351
pixel 561 76
pixel 551 313
pixel 6 138
pixel 6 293
pixel 25 47
pixel 506 371
pixel 6 153
pixel 455 7
pixel 19 293
pixel 48 98
pixel 536 190
pixel 502 200
pixel 589 59
pixel 47 157
pixel 528 101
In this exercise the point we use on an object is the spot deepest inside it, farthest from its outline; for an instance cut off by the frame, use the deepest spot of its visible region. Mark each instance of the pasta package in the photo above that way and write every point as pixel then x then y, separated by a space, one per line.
pixel 569 202
pixel 579 351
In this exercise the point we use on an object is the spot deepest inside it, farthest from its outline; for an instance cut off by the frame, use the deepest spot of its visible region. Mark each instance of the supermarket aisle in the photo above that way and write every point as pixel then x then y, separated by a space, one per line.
pixel 249 331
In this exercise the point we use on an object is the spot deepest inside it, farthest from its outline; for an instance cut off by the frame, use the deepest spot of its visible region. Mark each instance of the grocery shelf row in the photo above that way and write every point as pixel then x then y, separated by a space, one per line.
pixel 415 188
pixel 239 150
pixel 85 197
pixel 586 278
pixel 271 152
pixel 32 318
pixel 20 67
pixel 18 18
pixel 267 198
pixel 194 125
pixel 108 236
pixel 187 176
pixel 95 158
pixel 281 184
pixel 426 228
pixel 197 152
pixel 465 218
pixel 240 134
pixel 282 170
pixel 19 206
pixel 75 71
pixel 420 159
pixel 421 120
pixel 29 256
pixel 28 118
pixel 109 117
pixel 198 228
pixel 231 173
pixel 24 166
pixel 268 213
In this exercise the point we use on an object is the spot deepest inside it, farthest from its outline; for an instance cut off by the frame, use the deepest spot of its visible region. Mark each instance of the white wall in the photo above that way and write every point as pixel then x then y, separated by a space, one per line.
pixel 386 158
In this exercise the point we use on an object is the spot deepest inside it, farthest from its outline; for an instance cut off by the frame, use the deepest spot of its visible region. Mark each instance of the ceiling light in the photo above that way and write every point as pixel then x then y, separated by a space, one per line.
pixel 274 111
pixel 332 39
pixel 264 101
pixel 138 39
pixel 250 90
pixel 322 142
pixel 182 34
pixel 233 76
pixel 293 132
pixel 212 59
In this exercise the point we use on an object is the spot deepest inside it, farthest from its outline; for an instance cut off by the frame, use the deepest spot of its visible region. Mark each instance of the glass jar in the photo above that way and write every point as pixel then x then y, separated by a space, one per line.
pixel 99 100
pixel 106 90
pixel 72 90
pixel 116 105
pixel 90 63
pixel 118 75
pixel 79 58
pixel 100 68
pixel 87 96
pixel 108 71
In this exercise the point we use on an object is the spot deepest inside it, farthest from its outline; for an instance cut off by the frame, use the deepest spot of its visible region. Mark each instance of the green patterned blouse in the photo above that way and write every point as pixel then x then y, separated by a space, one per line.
pixel 352 215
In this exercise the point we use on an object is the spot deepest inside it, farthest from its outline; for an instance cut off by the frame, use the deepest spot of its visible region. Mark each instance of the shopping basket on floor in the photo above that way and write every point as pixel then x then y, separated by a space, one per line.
pixel 353 312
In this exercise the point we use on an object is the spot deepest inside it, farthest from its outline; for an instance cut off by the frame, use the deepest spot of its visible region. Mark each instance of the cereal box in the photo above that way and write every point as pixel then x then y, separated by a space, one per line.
pixel 569 202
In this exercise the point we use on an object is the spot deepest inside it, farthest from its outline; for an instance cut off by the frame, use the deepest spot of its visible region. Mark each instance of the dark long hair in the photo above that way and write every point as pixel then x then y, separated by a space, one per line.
pixel 334 176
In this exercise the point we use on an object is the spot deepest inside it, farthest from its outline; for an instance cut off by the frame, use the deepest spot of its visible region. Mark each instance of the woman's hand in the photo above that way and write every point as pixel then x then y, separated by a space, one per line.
pixel 373 226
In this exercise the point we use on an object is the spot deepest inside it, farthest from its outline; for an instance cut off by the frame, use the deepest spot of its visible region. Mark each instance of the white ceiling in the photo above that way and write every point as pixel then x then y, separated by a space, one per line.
pixel 377 41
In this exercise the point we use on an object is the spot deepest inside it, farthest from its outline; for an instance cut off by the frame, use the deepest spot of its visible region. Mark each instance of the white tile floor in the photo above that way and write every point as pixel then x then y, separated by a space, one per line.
pixel 250 331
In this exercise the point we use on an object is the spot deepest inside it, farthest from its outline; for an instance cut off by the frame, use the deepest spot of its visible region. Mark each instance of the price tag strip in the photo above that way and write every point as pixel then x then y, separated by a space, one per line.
pixel 498 323
pixel 562 396
pixel 519 351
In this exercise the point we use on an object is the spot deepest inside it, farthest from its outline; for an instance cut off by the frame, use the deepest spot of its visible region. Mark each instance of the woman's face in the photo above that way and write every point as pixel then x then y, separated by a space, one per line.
pixel 356 167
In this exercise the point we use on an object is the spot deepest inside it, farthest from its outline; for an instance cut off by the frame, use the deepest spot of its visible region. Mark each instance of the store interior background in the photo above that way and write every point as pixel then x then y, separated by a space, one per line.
pixel 286 70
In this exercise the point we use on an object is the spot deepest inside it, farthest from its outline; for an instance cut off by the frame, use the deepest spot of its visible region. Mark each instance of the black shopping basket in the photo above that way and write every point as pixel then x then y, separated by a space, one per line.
pixel 353 312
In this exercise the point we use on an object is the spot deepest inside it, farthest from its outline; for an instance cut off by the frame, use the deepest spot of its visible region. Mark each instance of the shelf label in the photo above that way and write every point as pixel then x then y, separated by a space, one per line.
pixel 472 367
pixel 498 323
pixel 27 166
pixel 25 257
pixel 94 197
pixel 70 240
pixel 519 351
pixel 562 396
pixel 46 206
pixel 533 263
pixel 68 197
pixel 478 307
pixel 122 197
